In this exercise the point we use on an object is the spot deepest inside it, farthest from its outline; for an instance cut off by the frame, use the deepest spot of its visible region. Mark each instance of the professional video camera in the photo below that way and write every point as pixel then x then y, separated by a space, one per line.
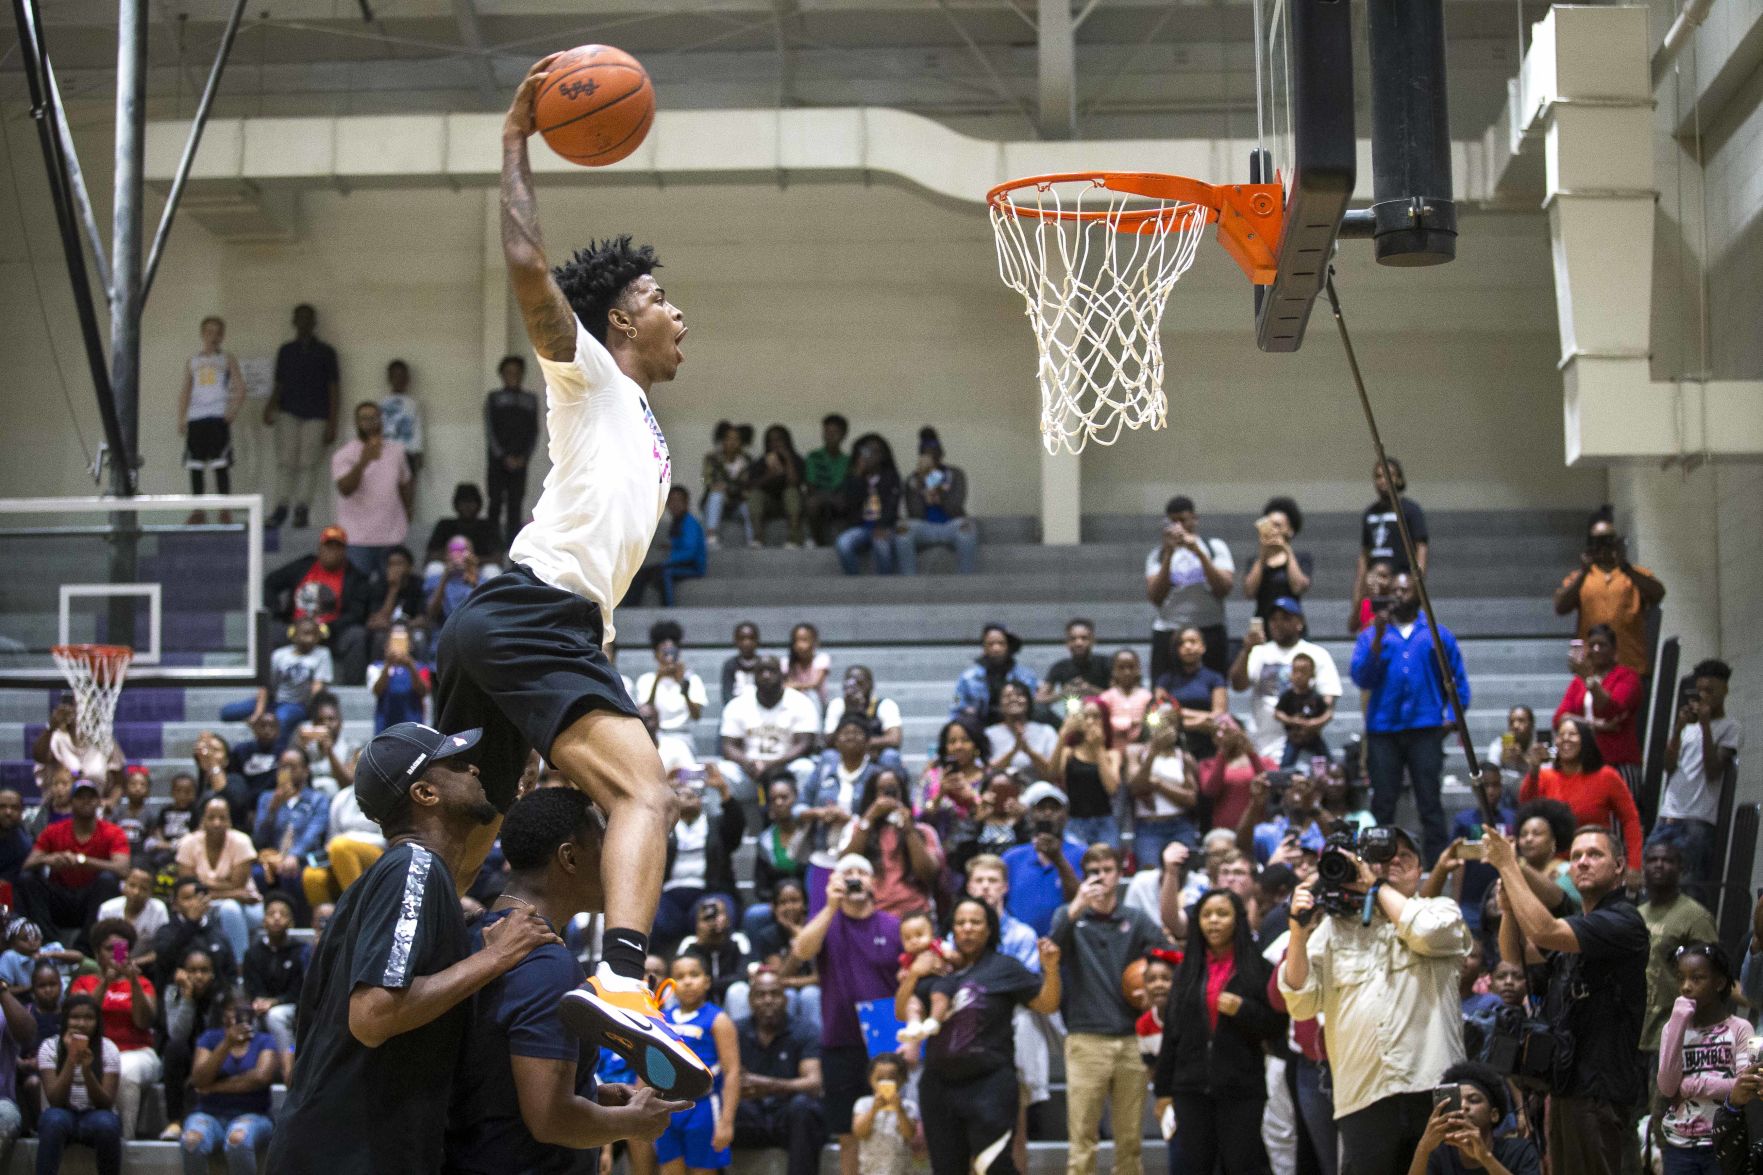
pixel 1337 870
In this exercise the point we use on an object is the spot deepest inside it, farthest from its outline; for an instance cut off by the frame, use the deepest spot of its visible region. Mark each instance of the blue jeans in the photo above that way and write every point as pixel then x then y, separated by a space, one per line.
pixel 237 921
pixel 1695 843
pixel 662 577
pixel 99 1129
pixel 1151 836
pixel 673 917
pixel 291 715
pixel 715 502
pixel 204 1135
pixel 370 561
pixel 1316 1107
pixel 1095 830
pixel 885 544
pixel 1422 753
pixel 1300 754
pixel 961 534
pixel 1689 1160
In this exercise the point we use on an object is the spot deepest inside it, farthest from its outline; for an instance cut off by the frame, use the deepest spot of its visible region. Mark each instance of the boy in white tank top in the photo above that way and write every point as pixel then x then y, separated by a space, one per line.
pixel 213 391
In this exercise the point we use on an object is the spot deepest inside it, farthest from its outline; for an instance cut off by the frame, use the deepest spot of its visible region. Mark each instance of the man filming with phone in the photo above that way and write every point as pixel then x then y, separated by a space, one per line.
pixel 856 948
pixel 1607 589
pixel 1379 964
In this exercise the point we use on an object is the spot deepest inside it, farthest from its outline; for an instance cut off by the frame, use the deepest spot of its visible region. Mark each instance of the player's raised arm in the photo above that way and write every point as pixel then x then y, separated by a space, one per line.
pixel 550 323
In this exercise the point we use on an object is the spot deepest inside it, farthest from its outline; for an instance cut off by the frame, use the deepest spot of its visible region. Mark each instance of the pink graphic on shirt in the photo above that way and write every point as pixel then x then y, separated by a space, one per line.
pixel 659 450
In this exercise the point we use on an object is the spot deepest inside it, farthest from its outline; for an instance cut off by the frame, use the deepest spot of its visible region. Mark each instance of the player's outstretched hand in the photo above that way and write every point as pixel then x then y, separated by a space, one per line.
pixel 517 936
pixel 521 119
pixel 648 1113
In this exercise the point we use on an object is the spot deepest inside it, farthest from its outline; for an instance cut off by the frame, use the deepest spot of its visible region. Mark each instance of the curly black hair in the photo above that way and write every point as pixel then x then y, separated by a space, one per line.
pixel 595 279
pixel 542 820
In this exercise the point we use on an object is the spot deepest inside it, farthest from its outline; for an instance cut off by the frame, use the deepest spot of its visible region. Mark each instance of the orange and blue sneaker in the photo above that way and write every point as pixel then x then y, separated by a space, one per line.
pixel 624 1016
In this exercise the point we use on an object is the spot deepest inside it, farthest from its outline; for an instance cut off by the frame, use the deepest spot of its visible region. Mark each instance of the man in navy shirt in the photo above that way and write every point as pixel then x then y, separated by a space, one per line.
pixel 525 1097
pixel 1043 872
pixel 302 409
pixel 1408 715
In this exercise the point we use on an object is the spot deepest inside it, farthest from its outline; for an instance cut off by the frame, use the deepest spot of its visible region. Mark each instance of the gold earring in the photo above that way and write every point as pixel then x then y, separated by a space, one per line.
pixel 631 331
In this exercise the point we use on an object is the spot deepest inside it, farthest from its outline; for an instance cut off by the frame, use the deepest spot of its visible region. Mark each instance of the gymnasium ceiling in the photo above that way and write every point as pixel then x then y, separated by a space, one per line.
pixel 1143 68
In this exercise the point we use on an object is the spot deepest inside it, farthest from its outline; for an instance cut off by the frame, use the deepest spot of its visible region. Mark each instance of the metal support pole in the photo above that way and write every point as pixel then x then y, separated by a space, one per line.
pixel 46 113
pixel 1057 59
pixel 125 236
pixel 197 125
pixel 76 183
pixel 1416 219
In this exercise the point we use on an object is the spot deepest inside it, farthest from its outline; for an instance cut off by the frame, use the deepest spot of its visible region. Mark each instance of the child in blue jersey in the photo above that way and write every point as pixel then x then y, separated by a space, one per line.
pixel 699 1138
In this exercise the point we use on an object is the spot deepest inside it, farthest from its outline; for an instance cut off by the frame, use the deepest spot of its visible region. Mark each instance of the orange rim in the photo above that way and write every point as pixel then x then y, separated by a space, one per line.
pixel 1250 217
pixel 91 654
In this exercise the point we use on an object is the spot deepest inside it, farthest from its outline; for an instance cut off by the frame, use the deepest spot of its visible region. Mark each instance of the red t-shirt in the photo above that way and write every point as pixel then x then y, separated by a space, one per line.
pixel 106 841
pixel 1621 745
pixel 1218 973
pixel 1599 798
pixel 319 594
pixel 116 1005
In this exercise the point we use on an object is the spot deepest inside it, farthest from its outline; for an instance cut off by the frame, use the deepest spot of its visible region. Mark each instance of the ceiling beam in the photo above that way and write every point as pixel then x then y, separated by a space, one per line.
pixel 471 35
pixel 1056 67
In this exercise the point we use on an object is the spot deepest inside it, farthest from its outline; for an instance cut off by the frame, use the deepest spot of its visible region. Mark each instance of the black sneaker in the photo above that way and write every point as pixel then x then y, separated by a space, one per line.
pixel 299 518
pixel 276 517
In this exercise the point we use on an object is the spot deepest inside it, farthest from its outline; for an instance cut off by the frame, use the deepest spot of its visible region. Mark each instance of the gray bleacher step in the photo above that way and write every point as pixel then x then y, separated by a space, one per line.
pixel 919 617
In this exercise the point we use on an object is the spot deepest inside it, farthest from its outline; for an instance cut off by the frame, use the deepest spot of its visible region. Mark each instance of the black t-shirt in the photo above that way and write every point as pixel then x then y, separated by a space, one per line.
pixel 515 1016
pixel 783 1057
pixel 15 846
pixel 1096 671
pixel 977 1036
pixel 1598 995
pixel 1277 582
pixel 1517 1155
pixel 1379 538
pixel 352 1109
pixel 173 823
pixel 305 369
pixel 1305 705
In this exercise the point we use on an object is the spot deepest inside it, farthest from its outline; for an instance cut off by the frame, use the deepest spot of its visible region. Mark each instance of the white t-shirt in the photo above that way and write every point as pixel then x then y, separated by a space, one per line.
pixel 765 733
pixel 1270 675
pixel 402 422
pixel 147 923
pixel 1038 736
pixel 607 488
pixel 1189 600
pixel 109 1061
pixel 294 672
pixel 676 756
pixel 1688 794
pixel 673 703
pixel 211 387
pixel 887 712
pixel 1164 769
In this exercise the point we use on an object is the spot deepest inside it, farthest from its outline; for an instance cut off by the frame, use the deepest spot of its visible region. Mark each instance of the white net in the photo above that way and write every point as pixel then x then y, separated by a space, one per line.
pixel 1095 268
pixel 96 674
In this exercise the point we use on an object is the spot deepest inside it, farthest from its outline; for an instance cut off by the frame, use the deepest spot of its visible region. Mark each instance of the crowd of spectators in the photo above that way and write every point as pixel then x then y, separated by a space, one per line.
pixel 1171 873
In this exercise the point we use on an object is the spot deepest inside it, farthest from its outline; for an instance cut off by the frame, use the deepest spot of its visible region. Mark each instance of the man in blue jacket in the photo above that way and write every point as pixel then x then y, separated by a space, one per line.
pixel 1408 716
pixel 687 556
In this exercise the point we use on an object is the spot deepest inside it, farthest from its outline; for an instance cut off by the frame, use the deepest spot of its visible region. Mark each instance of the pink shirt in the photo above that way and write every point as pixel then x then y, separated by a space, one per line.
pixel 374 514
pixel 1126 712
pixel 193 860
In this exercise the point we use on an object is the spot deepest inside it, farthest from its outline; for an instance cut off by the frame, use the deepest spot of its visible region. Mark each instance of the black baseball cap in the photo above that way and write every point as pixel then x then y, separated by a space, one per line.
pixel 397 758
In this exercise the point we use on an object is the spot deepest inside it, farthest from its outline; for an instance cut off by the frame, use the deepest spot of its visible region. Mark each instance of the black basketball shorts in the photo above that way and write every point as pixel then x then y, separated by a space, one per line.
pixel 522 660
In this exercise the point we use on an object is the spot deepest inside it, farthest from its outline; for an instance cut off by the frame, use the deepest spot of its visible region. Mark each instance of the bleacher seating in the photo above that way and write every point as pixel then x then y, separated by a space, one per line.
pixel 1490 575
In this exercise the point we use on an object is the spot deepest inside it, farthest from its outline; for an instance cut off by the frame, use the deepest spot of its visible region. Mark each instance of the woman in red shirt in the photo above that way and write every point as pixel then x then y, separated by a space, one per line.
pixel 1229 775
pixel 129 1006
pixel 1579 779
pixel 1606 694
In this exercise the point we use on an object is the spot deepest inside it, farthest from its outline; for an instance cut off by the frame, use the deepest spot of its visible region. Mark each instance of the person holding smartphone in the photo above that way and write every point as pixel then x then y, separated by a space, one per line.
pixel 1607 589
pixel 130 1006
pixel 1470 1101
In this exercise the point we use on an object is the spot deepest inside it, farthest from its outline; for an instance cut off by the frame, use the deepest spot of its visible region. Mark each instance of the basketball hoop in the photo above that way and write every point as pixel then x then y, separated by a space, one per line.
pixel 96 673
pixel 1095 256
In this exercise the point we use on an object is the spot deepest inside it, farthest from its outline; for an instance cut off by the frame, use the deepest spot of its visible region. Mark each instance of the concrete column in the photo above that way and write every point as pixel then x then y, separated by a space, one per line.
pixel 1061 497
pixel 1057 61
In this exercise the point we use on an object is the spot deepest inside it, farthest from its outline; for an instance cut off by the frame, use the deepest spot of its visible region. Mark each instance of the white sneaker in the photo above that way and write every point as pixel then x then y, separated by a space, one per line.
pixel 712 541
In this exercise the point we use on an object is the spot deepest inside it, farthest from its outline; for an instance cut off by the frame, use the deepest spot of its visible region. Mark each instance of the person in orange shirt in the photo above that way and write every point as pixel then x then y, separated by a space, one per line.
pixel 1607 589
pixel 1580 779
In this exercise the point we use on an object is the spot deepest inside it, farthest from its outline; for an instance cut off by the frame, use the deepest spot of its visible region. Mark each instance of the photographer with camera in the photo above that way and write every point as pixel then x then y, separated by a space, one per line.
pixel 1409 712
pixel 855 948
pixel 1380 966
pixel 1607 589
pixel 1592 969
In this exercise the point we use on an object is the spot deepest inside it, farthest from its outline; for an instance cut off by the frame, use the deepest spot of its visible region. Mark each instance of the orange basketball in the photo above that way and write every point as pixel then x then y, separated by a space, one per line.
pixel 596 105
pixel 1132 985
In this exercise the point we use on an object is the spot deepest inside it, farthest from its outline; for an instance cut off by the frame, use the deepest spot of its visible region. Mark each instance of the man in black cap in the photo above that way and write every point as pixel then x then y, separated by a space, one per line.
pixel 384 1010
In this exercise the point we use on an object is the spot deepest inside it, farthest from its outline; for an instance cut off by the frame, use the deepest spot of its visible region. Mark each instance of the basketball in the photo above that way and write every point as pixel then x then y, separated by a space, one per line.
pixel 1132 985
pixel 596 106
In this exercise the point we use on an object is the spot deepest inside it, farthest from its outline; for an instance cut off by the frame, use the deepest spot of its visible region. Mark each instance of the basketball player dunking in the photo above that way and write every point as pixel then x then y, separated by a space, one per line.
pixel 524 657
